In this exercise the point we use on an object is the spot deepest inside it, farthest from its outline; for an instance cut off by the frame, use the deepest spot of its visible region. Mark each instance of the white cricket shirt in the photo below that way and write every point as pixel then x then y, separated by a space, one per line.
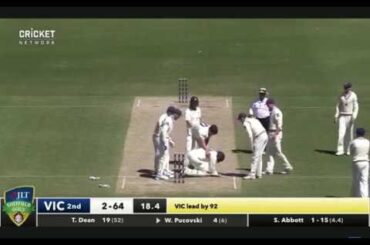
pixel 359 148
pixel 193 116
pixel 259 109
pixel 200 131
pixel 276 119
pixel 347 105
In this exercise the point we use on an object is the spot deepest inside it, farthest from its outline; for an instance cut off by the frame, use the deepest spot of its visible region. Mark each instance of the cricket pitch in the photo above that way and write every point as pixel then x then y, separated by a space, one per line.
pixel 135 175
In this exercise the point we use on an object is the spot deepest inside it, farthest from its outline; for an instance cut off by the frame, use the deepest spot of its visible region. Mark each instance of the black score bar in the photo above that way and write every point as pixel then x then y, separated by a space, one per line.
pixel 201 220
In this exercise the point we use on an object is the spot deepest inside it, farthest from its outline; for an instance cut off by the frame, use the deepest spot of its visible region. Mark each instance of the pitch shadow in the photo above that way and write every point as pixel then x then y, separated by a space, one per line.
pixel 239 175
pixel 146 173
pixel 243 169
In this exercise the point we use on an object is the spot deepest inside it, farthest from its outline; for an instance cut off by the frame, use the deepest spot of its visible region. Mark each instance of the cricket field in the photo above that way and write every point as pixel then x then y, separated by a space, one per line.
pixel 77 108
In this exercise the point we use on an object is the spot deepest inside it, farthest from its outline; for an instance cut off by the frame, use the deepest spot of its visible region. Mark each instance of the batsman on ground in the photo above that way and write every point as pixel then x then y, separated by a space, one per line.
pixel 199 163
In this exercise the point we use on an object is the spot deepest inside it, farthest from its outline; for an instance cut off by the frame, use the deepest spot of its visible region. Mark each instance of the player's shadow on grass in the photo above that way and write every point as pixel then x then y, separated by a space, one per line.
pixel 329 152
pixel 242 151
pixel 146 173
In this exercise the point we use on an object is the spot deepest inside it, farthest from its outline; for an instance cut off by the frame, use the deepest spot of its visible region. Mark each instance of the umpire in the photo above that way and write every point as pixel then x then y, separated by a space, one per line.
pixel 260 110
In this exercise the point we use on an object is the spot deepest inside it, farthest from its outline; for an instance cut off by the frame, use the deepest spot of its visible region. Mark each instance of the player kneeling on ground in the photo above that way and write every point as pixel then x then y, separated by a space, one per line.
pixel 199 163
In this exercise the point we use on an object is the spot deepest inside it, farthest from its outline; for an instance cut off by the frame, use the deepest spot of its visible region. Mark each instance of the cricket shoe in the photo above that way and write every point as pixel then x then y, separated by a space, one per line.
pixel 348 153
pixel 249 177
pixel 161 177
pixel 214 174
pixel 194 172
pixel 94 178
pixel 339 153
pixel 287 171
pixel 267 173
pixel 169 173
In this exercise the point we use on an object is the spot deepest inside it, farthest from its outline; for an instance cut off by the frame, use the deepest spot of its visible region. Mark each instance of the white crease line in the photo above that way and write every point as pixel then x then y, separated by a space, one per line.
pixel 138 103
pixel 227 103
pixel 123 183
pixel 234 183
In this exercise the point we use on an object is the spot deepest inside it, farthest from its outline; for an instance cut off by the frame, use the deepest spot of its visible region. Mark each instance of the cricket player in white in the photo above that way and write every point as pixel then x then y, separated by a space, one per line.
pixel 258 137
pixel 275 136
pixel 156 141
pixel 346 113
pixel 202 134
pixel 162 142
pixel 359 149
pixel 193 115
pixel 260 110
pixel 199 163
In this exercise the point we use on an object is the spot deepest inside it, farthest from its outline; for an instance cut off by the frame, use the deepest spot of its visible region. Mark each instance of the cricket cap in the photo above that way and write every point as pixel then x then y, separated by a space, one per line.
pixel 360 131
pixel 242 115
pixel 262 90
pixel 347 85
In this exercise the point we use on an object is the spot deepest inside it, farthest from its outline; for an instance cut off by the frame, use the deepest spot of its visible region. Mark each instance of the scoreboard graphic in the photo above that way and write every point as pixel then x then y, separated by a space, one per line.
pixel 182 212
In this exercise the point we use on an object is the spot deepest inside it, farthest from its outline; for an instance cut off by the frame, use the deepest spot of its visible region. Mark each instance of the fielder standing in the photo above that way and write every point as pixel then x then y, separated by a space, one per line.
pixel 192 118
pixel 199 163
pixel 260 110
pixel 346 114
pixel 258 137
pixel 162 142
pixel 275 135
pixel 359 149
pixel 156 140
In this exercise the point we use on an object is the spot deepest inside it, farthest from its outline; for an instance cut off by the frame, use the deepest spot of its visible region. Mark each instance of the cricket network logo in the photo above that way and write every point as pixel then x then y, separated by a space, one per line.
pixel 19 203
pixel 34 37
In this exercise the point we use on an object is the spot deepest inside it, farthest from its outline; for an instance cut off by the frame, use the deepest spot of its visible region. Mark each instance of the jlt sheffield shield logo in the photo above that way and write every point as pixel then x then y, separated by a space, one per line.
pixel 19 204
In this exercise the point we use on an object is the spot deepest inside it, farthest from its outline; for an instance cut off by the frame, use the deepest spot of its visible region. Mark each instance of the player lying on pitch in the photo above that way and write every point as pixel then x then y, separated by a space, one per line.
pixel 199 163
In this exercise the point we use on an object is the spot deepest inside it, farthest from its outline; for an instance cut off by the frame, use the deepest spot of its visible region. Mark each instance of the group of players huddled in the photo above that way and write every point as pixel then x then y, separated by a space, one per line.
pixel 200 159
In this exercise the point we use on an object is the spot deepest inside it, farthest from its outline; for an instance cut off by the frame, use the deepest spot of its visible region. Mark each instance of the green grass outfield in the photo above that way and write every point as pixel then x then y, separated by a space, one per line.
pixel 64 109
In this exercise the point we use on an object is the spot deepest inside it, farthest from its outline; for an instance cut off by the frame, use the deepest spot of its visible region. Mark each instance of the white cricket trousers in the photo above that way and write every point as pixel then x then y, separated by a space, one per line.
pixel 345 133
pixel 273 150
pixel 259 145
pixel 157 153
pixel 190 142
pixel 164 157
pixel 360 177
